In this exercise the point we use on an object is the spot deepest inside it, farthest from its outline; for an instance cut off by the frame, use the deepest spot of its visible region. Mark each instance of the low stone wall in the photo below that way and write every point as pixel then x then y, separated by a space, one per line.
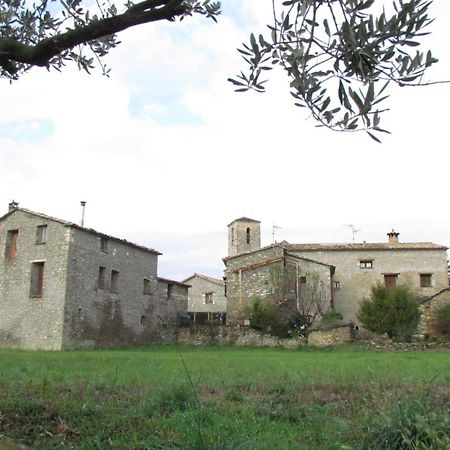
pixel 234 335
pixel 429 308
pixel 338 334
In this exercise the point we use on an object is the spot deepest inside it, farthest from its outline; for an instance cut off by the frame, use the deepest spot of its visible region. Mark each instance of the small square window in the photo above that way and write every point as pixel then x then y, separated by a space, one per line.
pixel 114 281
pixel 41 234
pixel 366 264
pixel 336 284
pixel 425 280
pixel 208 298
pixel 147 288
pixel 302 280
pixel 104 244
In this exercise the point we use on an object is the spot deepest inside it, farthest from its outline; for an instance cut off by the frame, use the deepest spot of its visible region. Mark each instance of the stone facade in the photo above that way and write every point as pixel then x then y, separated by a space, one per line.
pixel 429 307
pixel 357 267
pixel 361 266
pixel 235 335
pixel 206 298
pixel 244 235
pixel 264 273
pixel 342 334
pixel 70 287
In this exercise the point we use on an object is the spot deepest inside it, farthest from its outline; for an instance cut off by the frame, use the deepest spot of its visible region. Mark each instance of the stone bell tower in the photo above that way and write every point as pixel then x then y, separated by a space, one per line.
pixel 244 235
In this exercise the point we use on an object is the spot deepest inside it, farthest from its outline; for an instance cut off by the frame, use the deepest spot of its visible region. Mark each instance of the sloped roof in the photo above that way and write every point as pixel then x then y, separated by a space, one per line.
pixel 204 277
pixel 178 283
pixel 366 246
pixel 74 225
pixel 243 219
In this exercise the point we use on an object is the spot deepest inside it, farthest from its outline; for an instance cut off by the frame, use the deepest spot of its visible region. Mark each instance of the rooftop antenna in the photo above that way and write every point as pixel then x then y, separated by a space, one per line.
pixel 83 205
pixel 354 231
pixel 274 227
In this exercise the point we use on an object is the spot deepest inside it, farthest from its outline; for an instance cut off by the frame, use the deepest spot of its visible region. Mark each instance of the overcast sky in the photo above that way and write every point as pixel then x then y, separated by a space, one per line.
pixel 166 154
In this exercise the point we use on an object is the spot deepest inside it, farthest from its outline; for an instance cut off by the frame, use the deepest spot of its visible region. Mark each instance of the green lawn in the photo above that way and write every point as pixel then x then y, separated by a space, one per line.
pixel 247 398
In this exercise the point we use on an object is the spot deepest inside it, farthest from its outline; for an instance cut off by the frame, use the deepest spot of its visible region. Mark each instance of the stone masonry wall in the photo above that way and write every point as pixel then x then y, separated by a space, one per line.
pixel 255 275
pixel 429 309
pixel 196 299
pixel 244 285
pixel 102 316
pixel 26 322
pixel 355 282
pixel 233 335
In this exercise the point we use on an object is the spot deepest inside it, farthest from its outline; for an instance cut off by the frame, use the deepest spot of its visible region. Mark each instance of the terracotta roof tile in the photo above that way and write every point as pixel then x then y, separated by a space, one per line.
pixel 204 277
pixel 367 246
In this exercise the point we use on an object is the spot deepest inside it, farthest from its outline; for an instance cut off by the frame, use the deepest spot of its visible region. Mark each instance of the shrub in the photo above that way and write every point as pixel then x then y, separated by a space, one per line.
pixel 265 316
pixel 443 319
pixel 390 310
pixel 331 317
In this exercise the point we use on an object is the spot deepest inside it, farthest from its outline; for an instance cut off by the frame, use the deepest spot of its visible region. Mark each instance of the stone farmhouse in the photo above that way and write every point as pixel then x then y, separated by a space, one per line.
pixel 350 269
pixel 64 286
pixel 206 299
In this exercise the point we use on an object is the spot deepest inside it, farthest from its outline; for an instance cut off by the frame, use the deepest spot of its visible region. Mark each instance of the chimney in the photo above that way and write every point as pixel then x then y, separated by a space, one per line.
pixel 393 237
pixel 83 206
pixel 12 205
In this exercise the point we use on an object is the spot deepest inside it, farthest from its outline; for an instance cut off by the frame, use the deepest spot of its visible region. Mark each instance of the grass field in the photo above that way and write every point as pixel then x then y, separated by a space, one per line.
pixel 243 398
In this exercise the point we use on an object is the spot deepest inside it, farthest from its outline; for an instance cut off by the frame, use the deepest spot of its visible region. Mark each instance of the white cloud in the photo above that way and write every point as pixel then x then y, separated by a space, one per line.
pixel 165 145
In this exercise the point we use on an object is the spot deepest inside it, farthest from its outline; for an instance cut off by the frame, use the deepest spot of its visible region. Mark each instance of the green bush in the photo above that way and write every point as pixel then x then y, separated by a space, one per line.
pixel 265 316
pixel 390 310
pixel 443 319
pixel 331 317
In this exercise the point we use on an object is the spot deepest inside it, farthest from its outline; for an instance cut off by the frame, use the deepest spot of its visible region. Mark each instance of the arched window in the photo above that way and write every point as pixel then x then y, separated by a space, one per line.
pixel 248 235
pixel 232 236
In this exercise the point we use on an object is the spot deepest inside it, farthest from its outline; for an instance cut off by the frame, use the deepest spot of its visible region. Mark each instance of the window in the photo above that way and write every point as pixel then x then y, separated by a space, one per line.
pixel 366 264
pixel 390 280
pixel 302 280
pixel 37 279
pixel 425 280
pixel 147 289
pixel 41 234
pixel 142 320
pixel 101 277
pixel 232 236
pixel 104 244
pixel 11 244
pixel 248 235
pixel 208 298
pixel 114 281
pixel 336 284
pixel 169 290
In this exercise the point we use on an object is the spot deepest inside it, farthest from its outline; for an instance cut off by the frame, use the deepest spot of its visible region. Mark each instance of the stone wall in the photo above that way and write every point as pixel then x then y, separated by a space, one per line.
pixel 33 322
pixel 429 308
pixel 196 295
pixel 356 282
pixel 265 273
pixel 336 335
pixel 233 335
pixel 241 241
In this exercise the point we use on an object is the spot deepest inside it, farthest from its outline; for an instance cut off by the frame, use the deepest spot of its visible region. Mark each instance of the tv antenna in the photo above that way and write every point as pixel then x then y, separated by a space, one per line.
pixel 354 231
pixel 274 227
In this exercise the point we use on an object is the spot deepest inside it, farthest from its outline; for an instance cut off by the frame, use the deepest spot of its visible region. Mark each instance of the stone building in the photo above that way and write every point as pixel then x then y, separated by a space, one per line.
pixel 206 298
pixel 271 272
pixel 357 267
pixel 64 286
